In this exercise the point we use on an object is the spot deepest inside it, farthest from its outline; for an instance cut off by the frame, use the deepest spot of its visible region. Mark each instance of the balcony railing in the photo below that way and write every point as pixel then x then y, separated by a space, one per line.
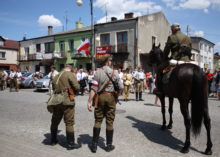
pixel 35 56
pixel 120 48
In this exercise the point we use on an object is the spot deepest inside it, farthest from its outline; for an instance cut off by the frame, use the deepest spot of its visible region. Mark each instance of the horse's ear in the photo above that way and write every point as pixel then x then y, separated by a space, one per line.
pixel 158 45
pixel 153 46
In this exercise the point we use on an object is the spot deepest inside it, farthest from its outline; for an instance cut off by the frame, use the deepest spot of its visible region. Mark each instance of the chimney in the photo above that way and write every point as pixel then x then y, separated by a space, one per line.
pixel 129 15
pixel 79 24
pixel 113 19
pixel 50 30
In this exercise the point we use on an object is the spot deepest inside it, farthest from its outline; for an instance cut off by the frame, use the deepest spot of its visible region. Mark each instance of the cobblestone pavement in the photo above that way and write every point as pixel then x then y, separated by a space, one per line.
pixel 25 122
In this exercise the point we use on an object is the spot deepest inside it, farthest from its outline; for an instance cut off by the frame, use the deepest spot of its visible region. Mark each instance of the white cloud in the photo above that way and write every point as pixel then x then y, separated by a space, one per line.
pixel 49 20
pixel 206 10
pixel 193 4
pixel 117 8
pixel 199 33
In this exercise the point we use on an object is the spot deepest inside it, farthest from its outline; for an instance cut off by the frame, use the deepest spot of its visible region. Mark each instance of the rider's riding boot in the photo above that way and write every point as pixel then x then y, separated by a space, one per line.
pixel 140 97
pixel 96 132
pixel 71 141
pixel 109 137
pixel 136 96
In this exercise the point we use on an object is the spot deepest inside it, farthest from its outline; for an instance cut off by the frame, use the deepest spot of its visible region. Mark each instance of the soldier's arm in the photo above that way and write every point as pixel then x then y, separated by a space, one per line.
pixel 73 82
pixel 167 48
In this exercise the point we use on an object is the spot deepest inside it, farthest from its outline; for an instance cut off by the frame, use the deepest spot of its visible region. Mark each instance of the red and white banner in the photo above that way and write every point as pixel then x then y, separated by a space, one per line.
pixel 101 51
pixel 84 47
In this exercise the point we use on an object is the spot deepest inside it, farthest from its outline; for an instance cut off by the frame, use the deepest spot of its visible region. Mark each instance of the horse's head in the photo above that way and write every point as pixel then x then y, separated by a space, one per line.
pixel 155 55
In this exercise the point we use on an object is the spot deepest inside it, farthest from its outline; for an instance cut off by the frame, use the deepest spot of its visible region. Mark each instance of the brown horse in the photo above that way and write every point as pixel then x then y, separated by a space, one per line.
pixel 187 83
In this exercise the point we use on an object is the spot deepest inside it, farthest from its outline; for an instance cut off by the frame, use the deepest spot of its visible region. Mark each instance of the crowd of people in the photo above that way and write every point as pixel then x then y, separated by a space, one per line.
pixel 214 83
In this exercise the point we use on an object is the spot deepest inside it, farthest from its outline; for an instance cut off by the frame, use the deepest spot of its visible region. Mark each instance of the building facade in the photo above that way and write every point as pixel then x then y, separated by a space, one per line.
pixel 8 54
pixel 206 52
pixel 216 61
pixel 121 36
pixel 152 28
pixel 66 45
pixel 37 54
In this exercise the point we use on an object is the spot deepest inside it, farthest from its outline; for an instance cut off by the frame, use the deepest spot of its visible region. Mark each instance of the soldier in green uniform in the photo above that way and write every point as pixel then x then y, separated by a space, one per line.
pixel 106 106
pixel 66 81
pixel 179 45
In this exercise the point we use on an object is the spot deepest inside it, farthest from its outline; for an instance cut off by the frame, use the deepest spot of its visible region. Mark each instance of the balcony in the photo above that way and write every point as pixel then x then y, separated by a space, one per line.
pixel 35 56
pixel 80 56
pixel 47 56
pixel 59 55
pixel 120 48
pixel 23 58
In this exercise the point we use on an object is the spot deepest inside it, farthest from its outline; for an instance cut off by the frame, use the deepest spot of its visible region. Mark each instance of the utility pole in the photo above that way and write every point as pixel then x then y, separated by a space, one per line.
pixel 106 12
pixel 66 19
pixel 187 30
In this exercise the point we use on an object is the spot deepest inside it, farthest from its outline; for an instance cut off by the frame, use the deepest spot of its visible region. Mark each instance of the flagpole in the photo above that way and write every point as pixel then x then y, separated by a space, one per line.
pixel 79 3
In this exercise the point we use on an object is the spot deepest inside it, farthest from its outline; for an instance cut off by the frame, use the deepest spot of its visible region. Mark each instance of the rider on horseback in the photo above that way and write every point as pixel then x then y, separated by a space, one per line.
pixel 180 47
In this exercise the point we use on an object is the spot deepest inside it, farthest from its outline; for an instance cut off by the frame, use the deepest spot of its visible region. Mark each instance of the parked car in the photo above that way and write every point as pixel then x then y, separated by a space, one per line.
pixel 43 84
pixel 27 80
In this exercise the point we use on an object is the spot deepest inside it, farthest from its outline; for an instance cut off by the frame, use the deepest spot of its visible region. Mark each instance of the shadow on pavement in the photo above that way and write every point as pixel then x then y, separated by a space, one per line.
pixel 153 133
pixel 61 139
pixel 87 140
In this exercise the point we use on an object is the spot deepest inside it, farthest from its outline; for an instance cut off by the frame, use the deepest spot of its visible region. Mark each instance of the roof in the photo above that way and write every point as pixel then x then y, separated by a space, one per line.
pixel 201 38
pixel 10 44
pixel 84 29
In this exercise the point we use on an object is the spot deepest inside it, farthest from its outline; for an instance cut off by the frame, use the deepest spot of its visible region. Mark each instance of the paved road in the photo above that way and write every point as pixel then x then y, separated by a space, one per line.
pixel 24 129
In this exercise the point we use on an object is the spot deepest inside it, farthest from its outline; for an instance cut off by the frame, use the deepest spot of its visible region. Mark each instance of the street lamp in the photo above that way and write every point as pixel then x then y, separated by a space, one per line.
pixel 80 3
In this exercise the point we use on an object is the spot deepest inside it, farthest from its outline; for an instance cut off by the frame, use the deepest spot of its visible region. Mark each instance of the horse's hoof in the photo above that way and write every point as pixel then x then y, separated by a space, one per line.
pixel 169 127
pixel 208 152
pixel 163 127
pixel 185 150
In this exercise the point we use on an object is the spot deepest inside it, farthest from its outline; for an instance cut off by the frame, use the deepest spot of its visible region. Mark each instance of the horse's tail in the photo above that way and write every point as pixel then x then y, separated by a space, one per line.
pixel 198 100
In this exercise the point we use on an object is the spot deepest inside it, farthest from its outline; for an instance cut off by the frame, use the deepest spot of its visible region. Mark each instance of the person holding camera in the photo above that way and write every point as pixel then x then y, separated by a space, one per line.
pixel 106 86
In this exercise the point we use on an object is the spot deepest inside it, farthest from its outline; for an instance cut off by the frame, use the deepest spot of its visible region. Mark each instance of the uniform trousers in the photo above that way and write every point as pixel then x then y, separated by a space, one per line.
pixel 63 111
pixel 105 109
pixel 126 91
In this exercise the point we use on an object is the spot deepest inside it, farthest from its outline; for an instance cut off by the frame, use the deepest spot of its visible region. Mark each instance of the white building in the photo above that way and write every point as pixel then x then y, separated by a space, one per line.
pixel 36 54
pixel 206 52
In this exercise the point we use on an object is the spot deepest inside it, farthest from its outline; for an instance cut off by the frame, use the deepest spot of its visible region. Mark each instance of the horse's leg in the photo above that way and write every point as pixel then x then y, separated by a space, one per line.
pixel 171 113
pixel 185 112
pixel 163 110
pixel 207 123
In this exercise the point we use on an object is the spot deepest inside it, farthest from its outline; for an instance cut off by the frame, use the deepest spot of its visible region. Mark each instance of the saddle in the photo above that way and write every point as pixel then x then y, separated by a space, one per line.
pixel 167 72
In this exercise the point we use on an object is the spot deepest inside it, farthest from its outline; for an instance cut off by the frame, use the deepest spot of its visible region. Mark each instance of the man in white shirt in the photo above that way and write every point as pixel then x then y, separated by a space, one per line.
pixel 81 78
pixel 51 75
pixel 139 81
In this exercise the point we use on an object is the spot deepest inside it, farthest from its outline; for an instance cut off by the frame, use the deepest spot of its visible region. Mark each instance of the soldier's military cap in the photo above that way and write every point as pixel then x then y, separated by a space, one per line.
pixel 106 58
pixel 175 26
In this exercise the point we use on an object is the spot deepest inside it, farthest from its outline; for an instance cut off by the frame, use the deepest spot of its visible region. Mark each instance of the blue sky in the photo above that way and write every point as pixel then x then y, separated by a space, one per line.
pixel 31 17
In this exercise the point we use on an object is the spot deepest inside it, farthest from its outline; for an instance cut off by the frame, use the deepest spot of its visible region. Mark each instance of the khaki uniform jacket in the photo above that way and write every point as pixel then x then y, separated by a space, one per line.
pixel 127 79
pixel 172 43
pixel 66 80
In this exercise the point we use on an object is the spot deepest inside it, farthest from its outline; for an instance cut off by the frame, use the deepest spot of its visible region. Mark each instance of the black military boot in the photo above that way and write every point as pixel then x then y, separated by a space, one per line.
pixel 136 96
pixel 54 140
pixel 109 137
pixel 71 141
pixel 96 132
pixel 140 97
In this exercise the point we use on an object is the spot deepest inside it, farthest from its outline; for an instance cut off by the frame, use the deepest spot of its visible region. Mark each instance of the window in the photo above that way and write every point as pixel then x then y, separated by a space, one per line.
pixel 1 43
pixel 71 45
pixel 38 48
pixel 201 46
pixel 62 46
pixel 2 55
pixel 49 47
pixel 105 39
pixel 26 51
pixel 122 41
